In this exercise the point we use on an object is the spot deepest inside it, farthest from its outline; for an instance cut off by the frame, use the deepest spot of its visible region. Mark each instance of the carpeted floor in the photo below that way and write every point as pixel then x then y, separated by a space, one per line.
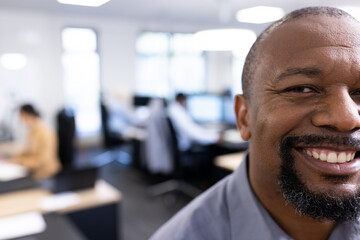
pixel 141 213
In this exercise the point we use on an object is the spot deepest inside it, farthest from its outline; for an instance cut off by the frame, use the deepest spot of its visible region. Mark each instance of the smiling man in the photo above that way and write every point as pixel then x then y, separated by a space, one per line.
pixel 300 113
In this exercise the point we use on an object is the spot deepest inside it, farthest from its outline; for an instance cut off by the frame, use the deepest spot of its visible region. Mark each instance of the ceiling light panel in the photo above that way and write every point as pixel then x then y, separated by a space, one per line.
pixel 13 61
pixel 225 40
pixel 88 3
pixel 260 14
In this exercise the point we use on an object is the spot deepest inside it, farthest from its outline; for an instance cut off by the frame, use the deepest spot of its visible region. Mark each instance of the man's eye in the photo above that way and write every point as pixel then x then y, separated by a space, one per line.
pixel 300 89
pixel 356 92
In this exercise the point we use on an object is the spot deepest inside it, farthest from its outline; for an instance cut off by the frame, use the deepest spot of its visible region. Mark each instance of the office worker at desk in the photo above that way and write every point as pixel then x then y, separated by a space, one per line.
pixel 40 154
pixel 300 113
pixel 188 132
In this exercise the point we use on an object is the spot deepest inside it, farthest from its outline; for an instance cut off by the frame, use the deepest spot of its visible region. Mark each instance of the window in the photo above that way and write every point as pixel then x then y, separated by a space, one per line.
pixel 237 67
pixel 169 63
pixel 82 79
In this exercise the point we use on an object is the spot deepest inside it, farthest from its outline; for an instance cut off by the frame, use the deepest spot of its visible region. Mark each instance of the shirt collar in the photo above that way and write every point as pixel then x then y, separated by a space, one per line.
pixel 247 215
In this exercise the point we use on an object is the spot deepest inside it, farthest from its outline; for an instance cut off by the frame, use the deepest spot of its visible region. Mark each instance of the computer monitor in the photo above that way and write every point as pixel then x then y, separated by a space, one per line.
pixel 139 101
pixel 73 180
pixel 205 108
pixel 229 113
pixel 5 133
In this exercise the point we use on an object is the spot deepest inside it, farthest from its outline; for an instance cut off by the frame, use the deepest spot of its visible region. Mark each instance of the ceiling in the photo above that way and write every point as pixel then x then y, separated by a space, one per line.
pixel 183 11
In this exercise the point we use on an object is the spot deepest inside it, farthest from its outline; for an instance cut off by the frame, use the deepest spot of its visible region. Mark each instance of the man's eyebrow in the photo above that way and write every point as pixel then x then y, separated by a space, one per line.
pixel 307 71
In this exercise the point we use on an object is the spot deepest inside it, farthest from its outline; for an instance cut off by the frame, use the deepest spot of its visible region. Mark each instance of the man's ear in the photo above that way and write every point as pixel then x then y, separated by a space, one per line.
pixel 242 113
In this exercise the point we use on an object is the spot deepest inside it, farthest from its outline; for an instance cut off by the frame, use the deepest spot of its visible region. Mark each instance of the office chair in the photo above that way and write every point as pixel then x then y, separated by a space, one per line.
pixel 111 139
pixel 177 182
pixel 111 142
pixel 66 134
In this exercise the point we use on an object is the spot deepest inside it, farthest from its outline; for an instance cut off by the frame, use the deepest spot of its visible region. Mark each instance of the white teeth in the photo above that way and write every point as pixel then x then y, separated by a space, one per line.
pixel 342 157
pixel 323 157
pixel 349 157
pixel 331 157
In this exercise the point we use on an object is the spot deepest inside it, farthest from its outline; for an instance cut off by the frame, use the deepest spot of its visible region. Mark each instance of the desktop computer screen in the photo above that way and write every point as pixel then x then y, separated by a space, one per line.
pixel 229 113
pixel 139 101
pixel 205 108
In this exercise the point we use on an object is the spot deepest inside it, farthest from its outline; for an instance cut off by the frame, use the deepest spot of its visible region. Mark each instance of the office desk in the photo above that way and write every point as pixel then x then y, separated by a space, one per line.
pixel 10 148
pixel 57 228
pixel 232 142
pixel 96 212
pixel 229 161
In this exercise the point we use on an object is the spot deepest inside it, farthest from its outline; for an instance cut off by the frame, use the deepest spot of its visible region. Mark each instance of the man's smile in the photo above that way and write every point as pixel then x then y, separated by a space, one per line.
pixel 331 162
pixel 330 156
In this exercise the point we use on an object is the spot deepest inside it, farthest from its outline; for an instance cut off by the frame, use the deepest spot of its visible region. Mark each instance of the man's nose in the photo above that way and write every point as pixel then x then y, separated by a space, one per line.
pixel 338 111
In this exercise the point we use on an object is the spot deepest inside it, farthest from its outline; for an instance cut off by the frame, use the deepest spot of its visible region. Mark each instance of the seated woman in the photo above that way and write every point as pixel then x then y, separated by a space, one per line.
pixel 40 155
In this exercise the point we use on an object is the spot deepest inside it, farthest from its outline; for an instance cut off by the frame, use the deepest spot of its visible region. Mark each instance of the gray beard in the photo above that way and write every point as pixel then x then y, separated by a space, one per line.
pixel 320 206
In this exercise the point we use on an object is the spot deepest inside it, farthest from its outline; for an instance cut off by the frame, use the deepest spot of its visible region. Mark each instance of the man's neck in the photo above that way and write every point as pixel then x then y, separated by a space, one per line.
pixel 299 226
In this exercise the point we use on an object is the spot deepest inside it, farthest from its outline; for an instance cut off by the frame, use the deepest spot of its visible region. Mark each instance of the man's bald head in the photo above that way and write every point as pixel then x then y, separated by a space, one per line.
pixel 252 59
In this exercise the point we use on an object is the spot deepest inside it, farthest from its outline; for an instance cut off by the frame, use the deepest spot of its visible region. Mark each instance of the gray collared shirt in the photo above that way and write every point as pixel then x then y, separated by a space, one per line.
pixel 230 210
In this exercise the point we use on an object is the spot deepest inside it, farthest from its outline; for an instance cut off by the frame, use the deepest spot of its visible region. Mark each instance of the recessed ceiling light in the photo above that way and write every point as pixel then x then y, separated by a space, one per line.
pixel 13 61
pixel 88 3
pixel 260 14
pixel 225 39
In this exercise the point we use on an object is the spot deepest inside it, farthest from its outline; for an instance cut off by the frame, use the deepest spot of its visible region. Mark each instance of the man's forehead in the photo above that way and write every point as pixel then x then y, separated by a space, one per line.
pixel 303 40
pixel 311 32
pixel 318 41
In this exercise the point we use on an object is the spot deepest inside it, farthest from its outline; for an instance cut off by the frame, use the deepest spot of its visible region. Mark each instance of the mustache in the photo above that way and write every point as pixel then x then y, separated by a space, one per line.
pixel 341 141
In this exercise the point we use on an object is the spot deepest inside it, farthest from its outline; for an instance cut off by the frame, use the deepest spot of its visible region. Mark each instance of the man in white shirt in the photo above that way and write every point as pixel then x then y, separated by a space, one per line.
pixel 188 132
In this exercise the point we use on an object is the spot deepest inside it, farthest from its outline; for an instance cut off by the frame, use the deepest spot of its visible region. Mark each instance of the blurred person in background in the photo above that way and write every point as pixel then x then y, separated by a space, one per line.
pixel 122 118
pixel 40 153
pixel 188 132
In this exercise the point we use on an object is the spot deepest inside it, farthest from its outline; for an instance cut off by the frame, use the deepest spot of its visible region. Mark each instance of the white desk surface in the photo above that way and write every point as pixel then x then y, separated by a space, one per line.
pixel 11 171
pixel 229 161
pixel 29 200
pixel 233 136
pixel 10 148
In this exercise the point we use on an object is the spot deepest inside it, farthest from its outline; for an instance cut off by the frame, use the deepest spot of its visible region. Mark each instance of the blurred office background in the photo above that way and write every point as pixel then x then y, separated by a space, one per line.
pixel 102 65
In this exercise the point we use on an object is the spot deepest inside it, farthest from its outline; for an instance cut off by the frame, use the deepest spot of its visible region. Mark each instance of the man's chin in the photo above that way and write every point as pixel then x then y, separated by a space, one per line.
pixel 332 198
pixel 337 207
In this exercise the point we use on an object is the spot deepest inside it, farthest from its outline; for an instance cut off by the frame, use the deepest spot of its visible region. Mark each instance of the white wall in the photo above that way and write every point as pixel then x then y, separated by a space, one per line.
pixel 33 36
pixel 38 36
pixel 219 71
